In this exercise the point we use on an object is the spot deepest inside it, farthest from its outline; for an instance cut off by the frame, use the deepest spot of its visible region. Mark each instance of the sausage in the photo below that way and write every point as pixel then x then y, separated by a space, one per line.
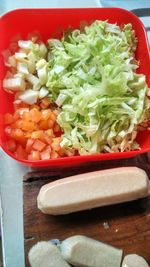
pixel 46 254
pixel 134 260
pixel 94 189
pixel 81 251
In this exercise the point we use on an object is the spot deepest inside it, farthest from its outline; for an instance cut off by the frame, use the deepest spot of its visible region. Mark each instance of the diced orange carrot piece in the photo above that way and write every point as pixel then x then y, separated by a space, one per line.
pixel 8 118
pixel 54 155
pixel 19 136
pixel 50 132
pixel 16 115
pixel 35 155
pixel 38 145
pixel 24 105
pixel 43 125
pixel 56 143
pixel 29 144
pixel 46 113
pixel 28 126
pixel 45 154
pixel 35 106
pixel 26 116
pixel 45 103
pixel 47 139
pixel 11 145
pixel 61 152
pixel 17 124
pixel 53 116
pixel 38 135
pixel 50 123
pixel 35 115
pixel 20 152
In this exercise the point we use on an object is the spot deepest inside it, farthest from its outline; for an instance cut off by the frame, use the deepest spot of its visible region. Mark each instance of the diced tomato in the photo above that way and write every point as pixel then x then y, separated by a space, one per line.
pixel 8 118
pixel 11 145
pixel 45 154
pixel 29 144
pixel 35 155
pixel 38 145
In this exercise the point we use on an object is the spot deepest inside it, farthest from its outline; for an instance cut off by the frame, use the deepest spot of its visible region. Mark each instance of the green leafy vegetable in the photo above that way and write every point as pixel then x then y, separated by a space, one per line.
pixel 92 78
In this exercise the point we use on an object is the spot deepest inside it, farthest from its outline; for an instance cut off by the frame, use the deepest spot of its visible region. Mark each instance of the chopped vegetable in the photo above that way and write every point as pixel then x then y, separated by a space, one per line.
pixel 89 77
pixel 14 84
pixel 30 135
pixel 29 96
pixel 93 80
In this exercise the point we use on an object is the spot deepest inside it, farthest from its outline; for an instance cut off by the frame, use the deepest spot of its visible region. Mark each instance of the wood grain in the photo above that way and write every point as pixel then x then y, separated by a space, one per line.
pixel 125 226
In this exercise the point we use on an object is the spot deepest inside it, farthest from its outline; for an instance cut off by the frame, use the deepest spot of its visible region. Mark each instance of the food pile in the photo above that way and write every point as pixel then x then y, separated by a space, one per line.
pixel 78 95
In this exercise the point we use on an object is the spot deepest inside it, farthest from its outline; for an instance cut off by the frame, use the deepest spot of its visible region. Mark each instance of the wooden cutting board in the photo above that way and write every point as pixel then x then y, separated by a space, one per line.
pixel 125 226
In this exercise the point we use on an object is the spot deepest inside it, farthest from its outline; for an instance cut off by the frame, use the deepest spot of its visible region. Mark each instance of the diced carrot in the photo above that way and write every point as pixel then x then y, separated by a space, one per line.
pixel 34 132
pixel 29 144
pixel 47 139
pixel 38 145
pixel 38 135
pixel 24 105
pixel 50 123
pixel 8 118
pixel 45 154
pixel 45 103
pixel 35 155
pixel 50 132
pixel 35 115
pixel 20 152
pixel 28 126
pixel 43 125
pixel 26 116
pixel 56 143
pixel 16 115
pixel 54 155
pixel 19 136
pixel 46 113
pixel 11 145
pixel 17 124
pixel 53 116
pixel 61 152
pixel 35 106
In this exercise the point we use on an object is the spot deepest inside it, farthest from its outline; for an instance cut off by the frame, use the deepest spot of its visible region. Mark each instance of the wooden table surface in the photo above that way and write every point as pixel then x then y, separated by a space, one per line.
pixel 125 226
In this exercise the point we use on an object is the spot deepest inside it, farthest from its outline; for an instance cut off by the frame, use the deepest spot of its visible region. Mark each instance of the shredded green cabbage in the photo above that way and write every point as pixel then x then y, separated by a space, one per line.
pixel 92 78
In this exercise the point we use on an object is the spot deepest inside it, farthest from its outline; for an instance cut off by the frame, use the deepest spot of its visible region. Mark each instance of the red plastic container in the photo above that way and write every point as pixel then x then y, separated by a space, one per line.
pixel 49 22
